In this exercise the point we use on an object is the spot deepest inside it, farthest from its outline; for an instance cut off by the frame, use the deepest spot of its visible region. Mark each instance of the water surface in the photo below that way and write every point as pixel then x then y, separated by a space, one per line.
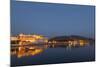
pixel 36 55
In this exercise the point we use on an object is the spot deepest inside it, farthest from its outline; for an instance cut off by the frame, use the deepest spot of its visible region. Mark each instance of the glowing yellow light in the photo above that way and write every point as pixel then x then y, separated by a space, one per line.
pixel 81 42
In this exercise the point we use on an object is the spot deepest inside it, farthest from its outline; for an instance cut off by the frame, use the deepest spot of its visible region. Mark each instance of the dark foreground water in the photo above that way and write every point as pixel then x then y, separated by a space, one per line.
pixel 50 55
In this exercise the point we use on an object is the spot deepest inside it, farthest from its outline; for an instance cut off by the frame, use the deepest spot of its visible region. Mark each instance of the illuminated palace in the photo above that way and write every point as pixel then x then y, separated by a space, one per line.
pixel 23 38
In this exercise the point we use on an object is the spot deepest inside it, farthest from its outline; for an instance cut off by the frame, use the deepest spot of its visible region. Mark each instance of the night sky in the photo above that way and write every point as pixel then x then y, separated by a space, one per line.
pixel 52 19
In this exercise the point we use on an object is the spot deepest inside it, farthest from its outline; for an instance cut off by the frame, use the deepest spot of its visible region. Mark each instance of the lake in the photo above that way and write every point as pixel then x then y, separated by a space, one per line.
pixel 44 54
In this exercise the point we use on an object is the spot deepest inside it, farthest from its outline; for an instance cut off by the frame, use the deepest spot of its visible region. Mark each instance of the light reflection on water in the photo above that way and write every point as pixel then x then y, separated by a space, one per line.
pixel 32 50
pixel 45 54
pixel 26 51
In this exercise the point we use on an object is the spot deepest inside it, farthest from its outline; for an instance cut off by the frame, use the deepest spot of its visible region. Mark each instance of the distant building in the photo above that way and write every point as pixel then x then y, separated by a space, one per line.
pixel 29 38
pixel 13 38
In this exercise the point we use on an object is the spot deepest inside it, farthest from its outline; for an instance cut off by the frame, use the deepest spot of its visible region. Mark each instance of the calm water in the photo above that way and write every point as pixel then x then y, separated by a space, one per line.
pixel 34 55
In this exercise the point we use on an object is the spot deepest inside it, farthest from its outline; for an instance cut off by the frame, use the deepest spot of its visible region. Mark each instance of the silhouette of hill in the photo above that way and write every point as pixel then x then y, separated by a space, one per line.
pixel 67 38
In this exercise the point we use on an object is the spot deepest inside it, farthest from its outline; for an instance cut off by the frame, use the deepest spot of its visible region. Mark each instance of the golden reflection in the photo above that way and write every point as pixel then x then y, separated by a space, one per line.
pixel 27 48
pixel 26 51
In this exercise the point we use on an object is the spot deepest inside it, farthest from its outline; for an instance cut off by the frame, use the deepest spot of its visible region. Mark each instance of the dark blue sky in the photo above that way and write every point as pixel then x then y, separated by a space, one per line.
pixel 52 19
